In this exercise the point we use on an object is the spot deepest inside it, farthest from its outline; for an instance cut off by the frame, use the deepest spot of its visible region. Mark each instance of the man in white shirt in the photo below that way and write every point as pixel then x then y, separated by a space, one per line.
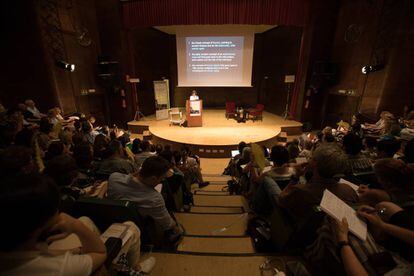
pixel 194 96
pixel 29 209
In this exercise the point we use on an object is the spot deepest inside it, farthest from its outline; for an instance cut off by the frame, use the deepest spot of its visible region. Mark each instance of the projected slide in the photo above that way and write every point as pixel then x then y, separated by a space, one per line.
pixel 211 57
pixel 222 59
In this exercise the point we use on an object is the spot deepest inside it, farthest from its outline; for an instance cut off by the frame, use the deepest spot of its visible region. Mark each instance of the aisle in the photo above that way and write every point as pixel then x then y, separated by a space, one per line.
pixel 215 242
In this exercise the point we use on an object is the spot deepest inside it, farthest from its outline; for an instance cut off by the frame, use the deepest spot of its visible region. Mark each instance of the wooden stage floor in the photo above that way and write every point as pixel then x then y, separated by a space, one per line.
pixel 217 131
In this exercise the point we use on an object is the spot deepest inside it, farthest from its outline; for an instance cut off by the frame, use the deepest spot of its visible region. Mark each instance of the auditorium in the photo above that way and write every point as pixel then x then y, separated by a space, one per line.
pixel 207 137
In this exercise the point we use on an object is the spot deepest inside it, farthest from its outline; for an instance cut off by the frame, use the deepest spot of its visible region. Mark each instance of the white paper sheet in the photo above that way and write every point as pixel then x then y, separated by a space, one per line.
pixel 336 208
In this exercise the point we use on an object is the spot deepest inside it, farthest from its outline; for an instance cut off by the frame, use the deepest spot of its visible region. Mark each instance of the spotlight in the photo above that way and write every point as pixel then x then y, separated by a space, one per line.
pixel 366 69
pixel 64 65
pixel 371 68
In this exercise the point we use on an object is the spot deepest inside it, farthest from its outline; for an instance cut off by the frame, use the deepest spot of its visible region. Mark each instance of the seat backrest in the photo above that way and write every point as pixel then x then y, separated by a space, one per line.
pixel 104 212
pixel 230 106
pixel 175 110
pixel 281 228
pixel 175 114
pixel 260 107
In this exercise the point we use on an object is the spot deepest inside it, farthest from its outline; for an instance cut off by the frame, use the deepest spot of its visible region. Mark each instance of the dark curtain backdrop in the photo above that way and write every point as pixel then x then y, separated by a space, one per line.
pixel 146 13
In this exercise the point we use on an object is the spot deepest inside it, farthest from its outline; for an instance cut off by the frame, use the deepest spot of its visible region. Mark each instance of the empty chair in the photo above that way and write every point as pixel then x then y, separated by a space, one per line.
pixel 230 110
pixel 176 116
pixel 256 113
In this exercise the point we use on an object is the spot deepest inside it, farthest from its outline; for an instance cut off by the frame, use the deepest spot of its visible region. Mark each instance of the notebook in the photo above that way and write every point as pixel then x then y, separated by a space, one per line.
pixel 336 208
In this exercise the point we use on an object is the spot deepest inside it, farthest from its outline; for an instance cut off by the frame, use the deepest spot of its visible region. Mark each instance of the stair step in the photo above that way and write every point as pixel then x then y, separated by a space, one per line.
pixel 236 245
pixel 213 224
pixel 219 200
pixel 217 210
pixel 176 264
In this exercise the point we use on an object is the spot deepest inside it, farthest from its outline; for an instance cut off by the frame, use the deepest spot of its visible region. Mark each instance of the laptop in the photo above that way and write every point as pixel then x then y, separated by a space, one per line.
pixel 234 153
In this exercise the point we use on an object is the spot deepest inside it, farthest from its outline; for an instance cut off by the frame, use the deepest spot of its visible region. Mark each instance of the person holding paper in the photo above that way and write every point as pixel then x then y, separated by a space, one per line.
pixel 350 260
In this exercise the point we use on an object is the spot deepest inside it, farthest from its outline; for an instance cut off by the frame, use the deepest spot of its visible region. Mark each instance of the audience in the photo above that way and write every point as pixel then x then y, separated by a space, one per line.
pixel 115 162
pixel 356 162
pixel 31 107
pixel 139 188
pixel 143 154
pixel 280 170
pixel 29 204
pixel 327 161
pixel 397 180
pixel 351 262
pixel 158 179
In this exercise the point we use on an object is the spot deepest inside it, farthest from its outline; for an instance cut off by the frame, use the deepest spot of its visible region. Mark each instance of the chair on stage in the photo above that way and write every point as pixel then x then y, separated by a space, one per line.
pixel 176 116
pixel 230 110
pixel 256 113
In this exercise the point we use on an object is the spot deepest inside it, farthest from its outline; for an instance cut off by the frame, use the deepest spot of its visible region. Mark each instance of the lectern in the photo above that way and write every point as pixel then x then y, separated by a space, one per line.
pixel 194 113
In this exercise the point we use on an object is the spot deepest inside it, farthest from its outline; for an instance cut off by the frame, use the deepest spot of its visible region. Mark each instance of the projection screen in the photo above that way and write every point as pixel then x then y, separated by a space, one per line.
pixel 214 56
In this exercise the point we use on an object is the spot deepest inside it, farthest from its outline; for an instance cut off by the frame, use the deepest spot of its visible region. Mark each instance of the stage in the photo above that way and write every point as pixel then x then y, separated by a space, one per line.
pixel 218 135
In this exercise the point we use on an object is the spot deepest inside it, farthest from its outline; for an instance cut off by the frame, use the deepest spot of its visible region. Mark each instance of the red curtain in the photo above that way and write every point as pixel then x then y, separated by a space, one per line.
pixel 145 13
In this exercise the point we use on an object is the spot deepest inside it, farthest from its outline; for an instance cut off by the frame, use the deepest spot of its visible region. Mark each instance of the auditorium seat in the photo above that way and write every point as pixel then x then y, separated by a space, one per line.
pixel 230 110
pixel 104 212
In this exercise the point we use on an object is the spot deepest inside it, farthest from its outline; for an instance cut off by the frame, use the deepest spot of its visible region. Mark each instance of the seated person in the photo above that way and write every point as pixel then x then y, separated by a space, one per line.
pixel 231 168
pixel 395 215
pixel 356 162
pixel 307 149
pixel 136 146
pixel 174 189
pixel 327 161
pixel 397 180
pixel 100 147
pixel 191 169
pixel 29 206
pixel 293 149
pixel 144 153
pixel 116 162
pixel 351 262
pixel 31 107
pixel 64 172
pixel 279 155
pixel 84 156
pixel 139 188
pixel 15 160
pixel 407 133
pixel 388 148
pixel 88 131
pixel 370 145
pixel 379 126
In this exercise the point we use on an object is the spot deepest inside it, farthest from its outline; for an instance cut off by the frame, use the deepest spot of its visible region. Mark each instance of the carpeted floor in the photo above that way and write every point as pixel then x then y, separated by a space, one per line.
pixel 210 265
pixel 215 242
pixel 213 224
pixel 217 245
